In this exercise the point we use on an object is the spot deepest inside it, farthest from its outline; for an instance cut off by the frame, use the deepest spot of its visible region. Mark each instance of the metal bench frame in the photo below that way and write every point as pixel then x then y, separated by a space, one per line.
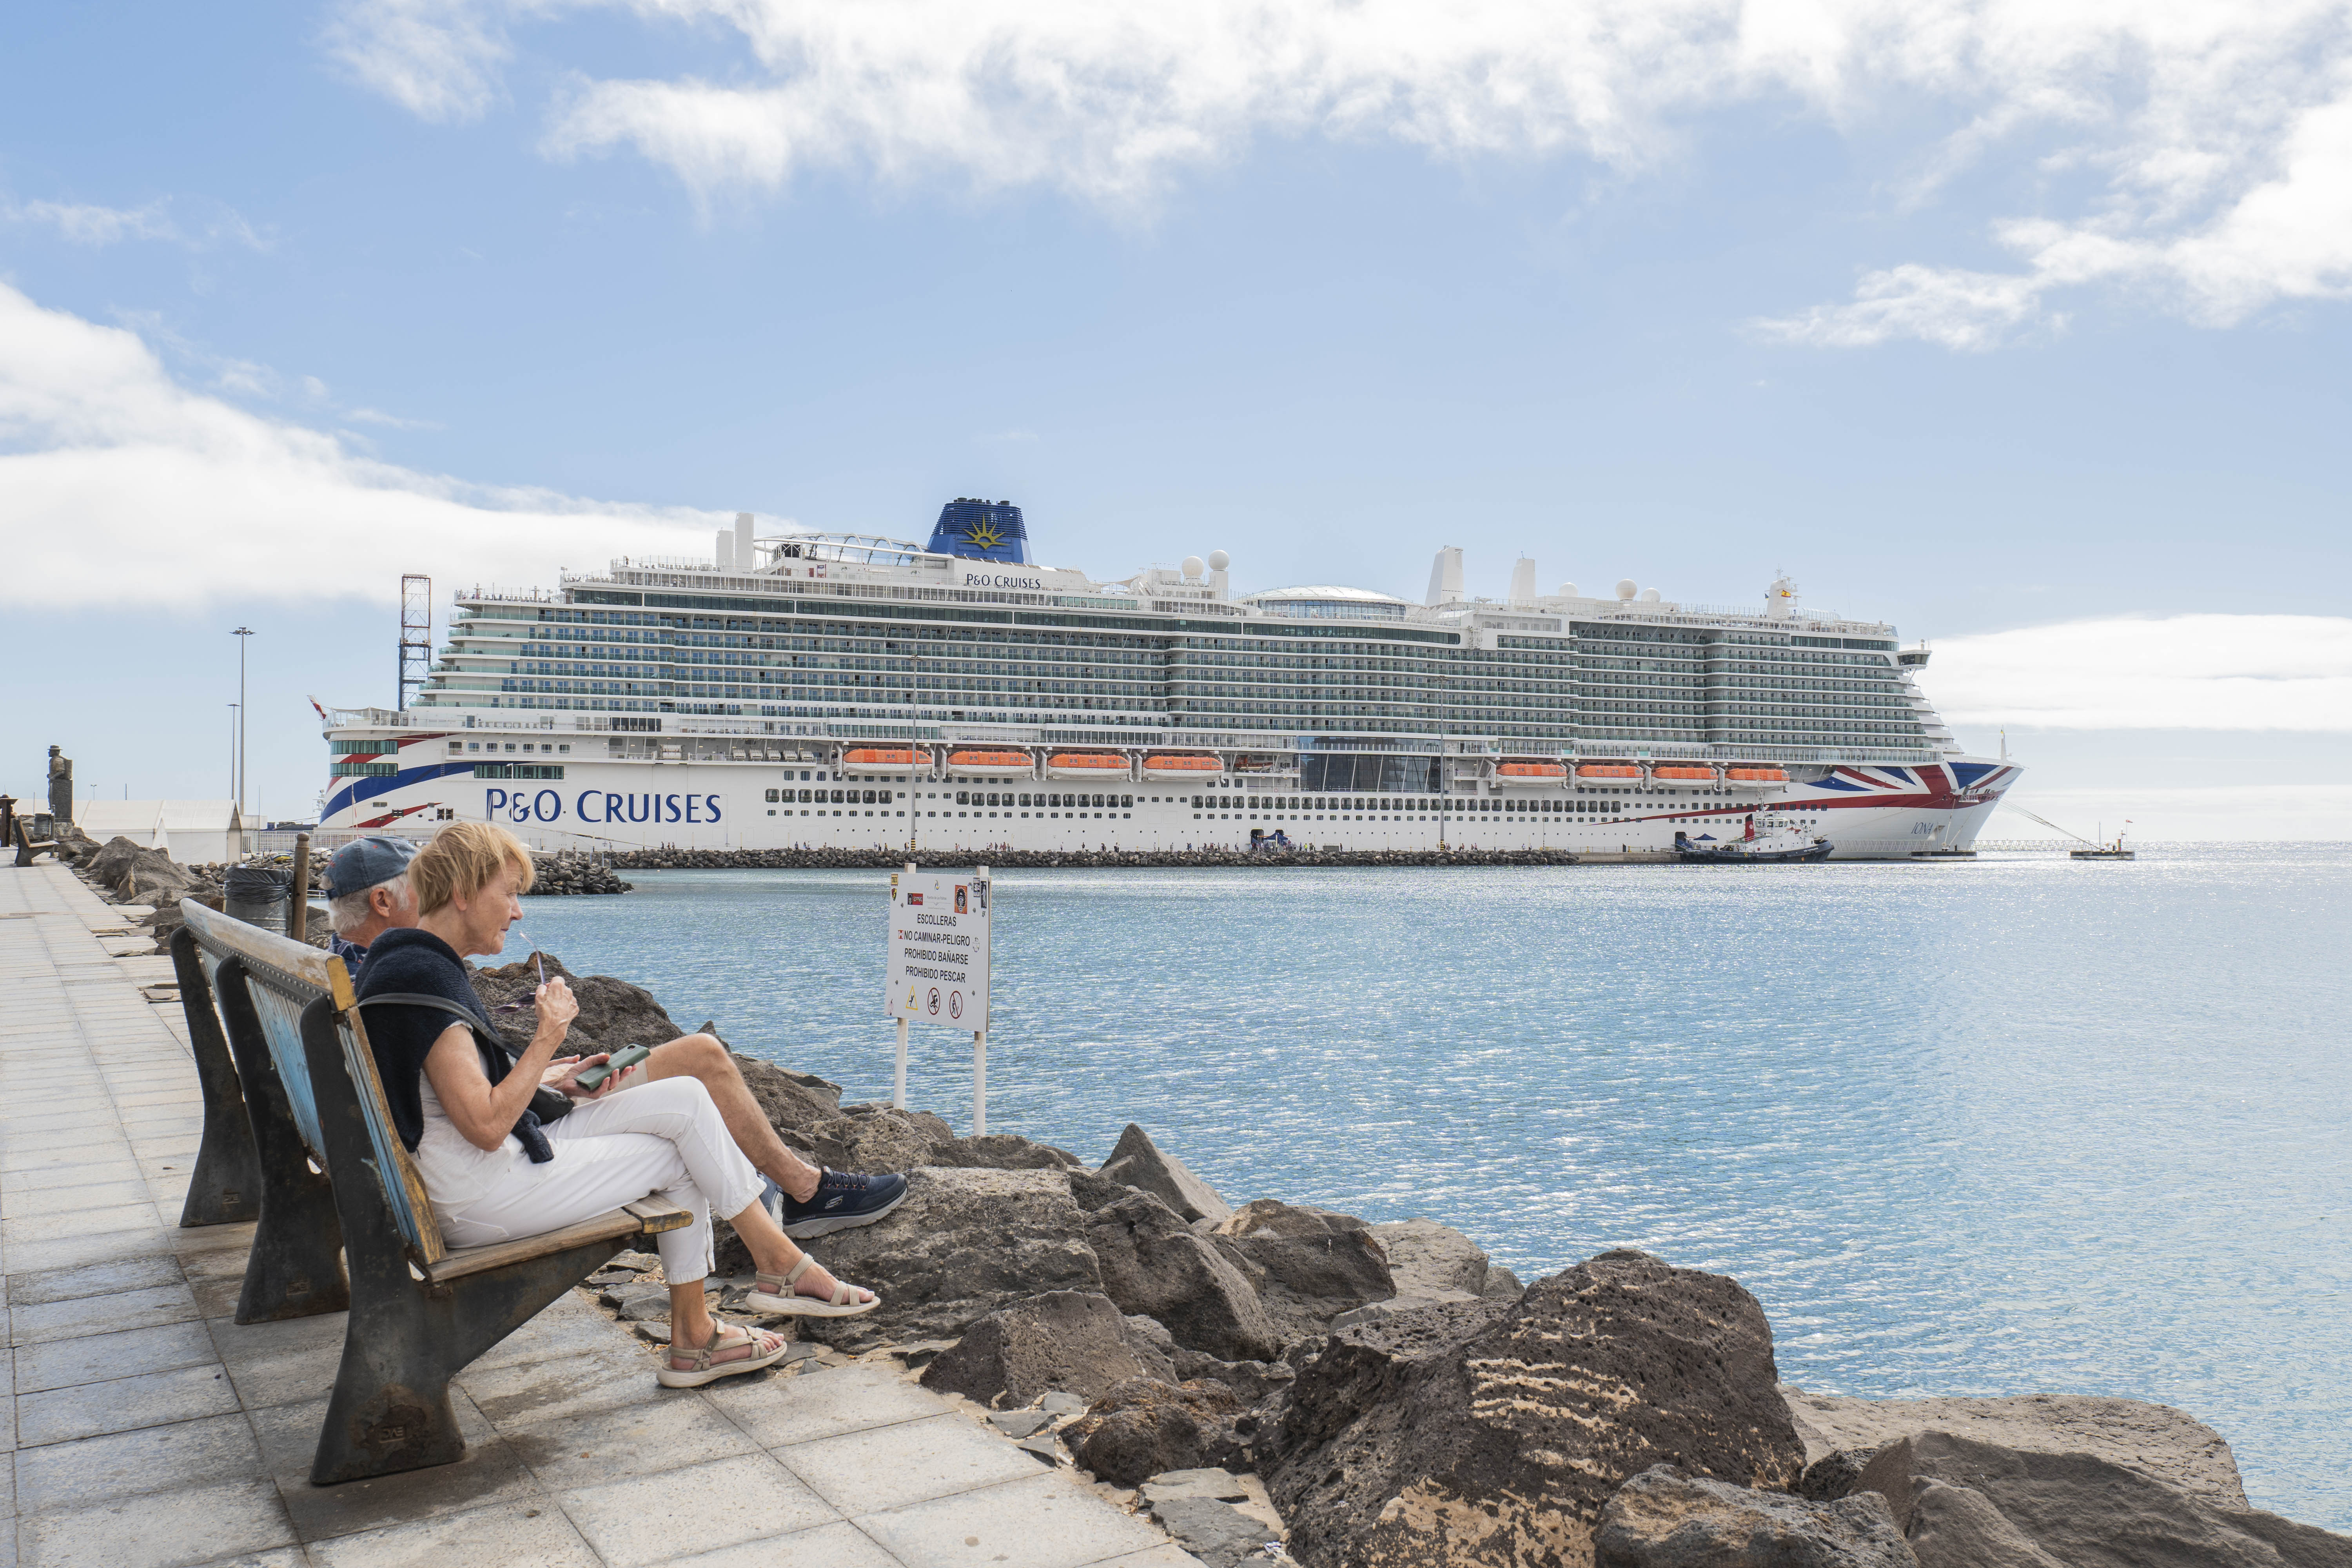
pixel 420 1310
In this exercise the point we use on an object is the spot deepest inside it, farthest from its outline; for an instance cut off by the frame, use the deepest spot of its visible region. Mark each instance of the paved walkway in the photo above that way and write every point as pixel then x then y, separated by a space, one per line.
pixel 146 1429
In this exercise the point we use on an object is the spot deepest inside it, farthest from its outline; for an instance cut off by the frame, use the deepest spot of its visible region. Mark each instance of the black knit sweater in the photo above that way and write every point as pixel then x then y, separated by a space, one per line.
pixel 402 1035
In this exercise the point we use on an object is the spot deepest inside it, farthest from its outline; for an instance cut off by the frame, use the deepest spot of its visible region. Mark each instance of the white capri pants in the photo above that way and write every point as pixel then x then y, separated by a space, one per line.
pixel 665 1138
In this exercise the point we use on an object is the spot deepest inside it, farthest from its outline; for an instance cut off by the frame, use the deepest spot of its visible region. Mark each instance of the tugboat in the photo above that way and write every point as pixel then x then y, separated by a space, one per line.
pixel 1768 836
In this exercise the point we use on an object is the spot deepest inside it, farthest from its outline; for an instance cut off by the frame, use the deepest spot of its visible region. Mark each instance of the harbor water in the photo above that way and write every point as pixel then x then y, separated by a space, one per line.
pixel 2023 1124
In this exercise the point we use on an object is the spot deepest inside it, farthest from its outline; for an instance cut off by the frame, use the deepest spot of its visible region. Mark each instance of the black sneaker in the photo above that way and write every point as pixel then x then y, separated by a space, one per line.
pixel 843 1201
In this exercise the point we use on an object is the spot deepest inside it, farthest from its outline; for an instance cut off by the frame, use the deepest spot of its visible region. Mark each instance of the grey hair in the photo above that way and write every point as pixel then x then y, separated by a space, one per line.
pixel 352 911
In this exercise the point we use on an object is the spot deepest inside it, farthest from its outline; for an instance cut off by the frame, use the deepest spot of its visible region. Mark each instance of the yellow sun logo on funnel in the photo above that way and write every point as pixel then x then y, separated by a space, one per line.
pixel 985 536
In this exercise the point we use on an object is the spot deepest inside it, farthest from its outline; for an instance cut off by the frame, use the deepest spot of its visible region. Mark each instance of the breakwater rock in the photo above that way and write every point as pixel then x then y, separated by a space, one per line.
pixel 1403 1401
pixel 1037 859
pixel 562 874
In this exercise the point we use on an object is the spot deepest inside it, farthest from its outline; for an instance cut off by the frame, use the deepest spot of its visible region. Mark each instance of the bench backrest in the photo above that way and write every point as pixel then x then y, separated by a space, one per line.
pixel 285 979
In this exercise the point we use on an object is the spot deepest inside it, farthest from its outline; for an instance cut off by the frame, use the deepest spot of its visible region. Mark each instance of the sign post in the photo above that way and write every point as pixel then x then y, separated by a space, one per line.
pixel 938 969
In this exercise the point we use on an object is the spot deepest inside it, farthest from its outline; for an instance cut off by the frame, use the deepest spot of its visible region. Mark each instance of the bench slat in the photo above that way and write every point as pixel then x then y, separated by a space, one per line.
pixel 605 1226
pixel 659 1215
pixel 312 965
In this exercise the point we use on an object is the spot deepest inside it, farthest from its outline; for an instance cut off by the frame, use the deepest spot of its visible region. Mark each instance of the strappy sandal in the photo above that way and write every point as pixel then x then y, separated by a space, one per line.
pixel 773 1294
pixel 748 1351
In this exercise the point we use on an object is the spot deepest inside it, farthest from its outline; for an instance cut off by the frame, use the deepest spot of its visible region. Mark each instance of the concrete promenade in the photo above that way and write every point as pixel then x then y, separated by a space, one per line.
pixel 145 1429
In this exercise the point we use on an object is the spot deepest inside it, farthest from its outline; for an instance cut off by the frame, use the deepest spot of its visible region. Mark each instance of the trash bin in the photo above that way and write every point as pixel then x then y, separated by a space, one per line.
pixel 256 896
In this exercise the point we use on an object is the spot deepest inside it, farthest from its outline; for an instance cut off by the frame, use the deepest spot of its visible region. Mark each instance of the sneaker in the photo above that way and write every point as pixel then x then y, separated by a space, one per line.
pixel 843 1201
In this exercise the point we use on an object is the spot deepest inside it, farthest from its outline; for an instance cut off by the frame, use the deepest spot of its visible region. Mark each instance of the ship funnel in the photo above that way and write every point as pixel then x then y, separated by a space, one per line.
pixel 1446 577
pixel 744 560
pixel 724 550
pixel 1523 584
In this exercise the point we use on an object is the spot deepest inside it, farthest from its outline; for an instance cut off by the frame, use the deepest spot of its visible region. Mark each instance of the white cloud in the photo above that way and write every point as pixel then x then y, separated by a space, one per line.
pixel 2179 672
pixel 2194 153
pixel 125 489
pixel 83 224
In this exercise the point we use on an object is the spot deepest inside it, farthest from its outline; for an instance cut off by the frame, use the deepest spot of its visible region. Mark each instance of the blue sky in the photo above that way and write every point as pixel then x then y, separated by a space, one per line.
pixel 2022 327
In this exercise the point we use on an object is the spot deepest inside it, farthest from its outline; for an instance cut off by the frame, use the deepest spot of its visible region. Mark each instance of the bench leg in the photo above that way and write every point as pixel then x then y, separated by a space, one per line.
pixel 390 1407
pixel 296 1268
pixel 225 1187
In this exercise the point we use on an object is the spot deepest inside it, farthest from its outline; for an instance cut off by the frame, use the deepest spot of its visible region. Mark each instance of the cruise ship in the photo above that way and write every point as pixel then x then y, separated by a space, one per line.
pixel 850 690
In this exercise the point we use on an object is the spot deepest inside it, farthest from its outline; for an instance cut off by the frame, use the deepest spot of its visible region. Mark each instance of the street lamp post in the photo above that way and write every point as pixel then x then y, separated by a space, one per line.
pixel 235 708
pixel 240 634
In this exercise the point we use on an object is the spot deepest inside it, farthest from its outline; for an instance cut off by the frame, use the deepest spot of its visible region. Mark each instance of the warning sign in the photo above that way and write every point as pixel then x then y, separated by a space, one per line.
pixel 938 967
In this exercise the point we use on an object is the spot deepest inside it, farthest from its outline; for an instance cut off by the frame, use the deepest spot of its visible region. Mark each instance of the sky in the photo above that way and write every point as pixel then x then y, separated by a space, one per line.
pixel 2020 326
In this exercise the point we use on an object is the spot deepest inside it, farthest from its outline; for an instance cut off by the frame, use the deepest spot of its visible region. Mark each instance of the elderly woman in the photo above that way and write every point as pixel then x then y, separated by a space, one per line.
pixel 494 1171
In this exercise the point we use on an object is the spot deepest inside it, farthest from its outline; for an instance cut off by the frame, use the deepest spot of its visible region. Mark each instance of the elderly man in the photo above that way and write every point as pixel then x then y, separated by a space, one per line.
pixel 368 894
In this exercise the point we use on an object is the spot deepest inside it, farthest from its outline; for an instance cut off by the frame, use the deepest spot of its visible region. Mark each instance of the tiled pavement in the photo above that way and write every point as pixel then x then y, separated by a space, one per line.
pixel 145 1429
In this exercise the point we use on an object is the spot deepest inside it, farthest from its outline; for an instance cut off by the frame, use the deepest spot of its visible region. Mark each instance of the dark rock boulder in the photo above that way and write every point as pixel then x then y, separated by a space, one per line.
pixel 1666 1518
pixel 1003 1152
pixel 1069 1339
pixel 1271 1216
pixel 1144 1427
pixel 1254 1380
pixel 790 1100
pixel 1303 1281
pixel 613 1014
pixel 1095 1193
pixel 962 1245
pixel 1429 1258
pixel 1957 1500
pixel 1153 1264
pixel 127 869
pixel 2164 1444
pixel 886 1140
pixel 1488 1432
pixel 1141 1164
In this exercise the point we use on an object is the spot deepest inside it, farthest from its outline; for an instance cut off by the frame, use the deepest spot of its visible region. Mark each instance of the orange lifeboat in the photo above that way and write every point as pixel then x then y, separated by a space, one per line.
pixel 990 762
pixel 1757 775
pixel 1682 773
pixel 1169 765
pixel 1608 771
pixel 1532 771
pixel 882 758
pixel 1086 766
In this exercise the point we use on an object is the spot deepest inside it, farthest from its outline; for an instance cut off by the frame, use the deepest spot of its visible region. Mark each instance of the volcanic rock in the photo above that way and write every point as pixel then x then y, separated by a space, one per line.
pixel 1664 1517
pixel 1216 1533
pixel 1144 1426
pixel 1271 1216
pixel 613 1014
pixel 790 1100
pixel 1066 1339
pixel 1254 1380
pixel 1003 1152
pixel 2155 1439
pixel 2082 1510
pixel 1141 1164
pixel 961 1245
pixel 1153 1264
pixel 1305 1281
pixel 1490 1432
pixel 886 1140
pixel 122 865
pixel 1429 1258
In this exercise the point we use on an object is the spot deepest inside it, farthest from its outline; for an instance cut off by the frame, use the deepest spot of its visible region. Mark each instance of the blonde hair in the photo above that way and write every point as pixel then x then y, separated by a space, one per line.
pixel 461 860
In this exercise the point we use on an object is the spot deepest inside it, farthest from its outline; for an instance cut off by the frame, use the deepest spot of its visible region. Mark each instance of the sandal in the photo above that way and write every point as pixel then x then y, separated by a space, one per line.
pixel 773 1294
pixel 748 1351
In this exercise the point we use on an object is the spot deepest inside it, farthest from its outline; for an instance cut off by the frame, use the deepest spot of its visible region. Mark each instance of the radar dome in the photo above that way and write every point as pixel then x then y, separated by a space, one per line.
pixel 1567 591
pixel 1193 566
pixel 1218 559
pixel 1627 588
pixel 1649 595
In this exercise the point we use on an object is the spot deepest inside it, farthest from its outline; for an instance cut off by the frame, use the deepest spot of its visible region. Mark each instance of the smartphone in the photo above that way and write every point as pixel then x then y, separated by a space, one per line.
pixel 594 1078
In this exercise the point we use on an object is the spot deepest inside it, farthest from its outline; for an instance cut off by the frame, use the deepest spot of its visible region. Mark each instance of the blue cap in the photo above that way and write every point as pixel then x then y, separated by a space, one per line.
pixel 364 862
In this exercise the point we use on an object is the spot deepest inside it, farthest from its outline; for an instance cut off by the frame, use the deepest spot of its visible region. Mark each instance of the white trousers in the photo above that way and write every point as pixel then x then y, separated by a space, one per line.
pixel 664 1138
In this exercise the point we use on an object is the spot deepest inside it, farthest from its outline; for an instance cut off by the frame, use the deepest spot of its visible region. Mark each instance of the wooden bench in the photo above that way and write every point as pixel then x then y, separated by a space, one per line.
pixel 27 846
pixel 420 1310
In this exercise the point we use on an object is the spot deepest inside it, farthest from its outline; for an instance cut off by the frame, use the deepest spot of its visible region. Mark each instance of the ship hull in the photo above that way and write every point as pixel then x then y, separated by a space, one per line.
pixel 1868 813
